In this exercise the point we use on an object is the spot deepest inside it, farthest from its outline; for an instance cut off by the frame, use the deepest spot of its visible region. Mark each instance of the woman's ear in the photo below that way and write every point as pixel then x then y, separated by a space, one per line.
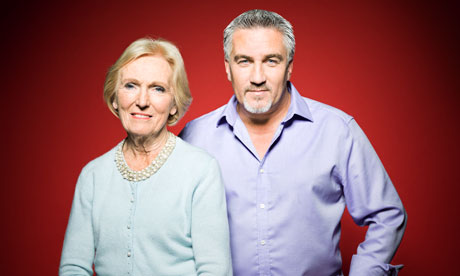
pixel 115 104
pixel 173 110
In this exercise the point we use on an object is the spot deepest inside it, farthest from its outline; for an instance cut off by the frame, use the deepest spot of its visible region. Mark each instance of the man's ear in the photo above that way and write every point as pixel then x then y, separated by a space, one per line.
pixel 289 69
pixel 227 70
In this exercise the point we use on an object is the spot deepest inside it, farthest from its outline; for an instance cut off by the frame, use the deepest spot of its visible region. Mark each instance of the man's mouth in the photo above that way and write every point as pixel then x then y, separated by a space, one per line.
pixel 257 92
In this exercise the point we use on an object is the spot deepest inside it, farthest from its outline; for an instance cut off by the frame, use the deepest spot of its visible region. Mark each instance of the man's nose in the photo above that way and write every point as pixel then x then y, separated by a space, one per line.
pixel 257 75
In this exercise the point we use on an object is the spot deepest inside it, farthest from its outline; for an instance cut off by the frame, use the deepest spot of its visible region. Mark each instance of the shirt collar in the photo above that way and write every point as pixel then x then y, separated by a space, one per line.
pixel 297 107
pixel 229 113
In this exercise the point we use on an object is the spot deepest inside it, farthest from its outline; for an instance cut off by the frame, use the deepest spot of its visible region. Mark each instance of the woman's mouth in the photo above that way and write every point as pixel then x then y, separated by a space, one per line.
pixel 141 115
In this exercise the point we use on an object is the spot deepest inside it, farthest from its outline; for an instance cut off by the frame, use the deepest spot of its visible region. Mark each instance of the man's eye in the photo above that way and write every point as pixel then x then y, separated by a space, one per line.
pixel 272 61
pixel 243 61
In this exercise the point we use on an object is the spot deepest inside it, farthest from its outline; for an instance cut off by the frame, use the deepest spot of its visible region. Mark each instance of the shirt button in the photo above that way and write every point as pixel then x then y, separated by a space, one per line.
pixel 132 199
pixel 129 226
pixel 129 253
pixel 261 170
pixel 262 206
pixel 262 242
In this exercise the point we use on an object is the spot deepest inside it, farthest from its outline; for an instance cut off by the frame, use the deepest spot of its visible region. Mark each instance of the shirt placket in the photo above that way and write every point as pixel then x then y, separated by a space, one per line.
pixel 263 189
pixel 263 243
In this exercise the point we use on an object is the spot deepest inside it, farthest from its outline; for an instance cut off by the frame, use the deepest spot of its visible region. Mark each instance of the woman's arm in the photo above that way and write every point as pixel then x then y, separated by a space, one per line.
pixel 210 234
pixel 78 250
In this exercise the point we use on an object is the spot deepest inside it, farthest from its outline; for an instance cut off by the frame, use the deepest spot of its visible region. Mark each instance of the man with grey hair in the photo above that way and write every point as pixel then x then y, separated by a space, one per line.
pixel 291 164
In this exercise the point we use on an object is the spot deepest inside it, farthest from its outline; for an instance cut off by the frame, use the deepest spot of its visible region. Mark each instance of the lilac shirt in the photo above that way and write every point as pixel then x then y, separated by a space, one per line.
pixel 284 210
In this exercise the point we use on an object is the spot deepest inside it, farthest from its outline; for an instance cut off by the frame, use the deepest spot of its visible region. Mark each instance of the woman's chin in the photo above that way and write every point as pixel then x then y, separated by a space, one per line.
pixel 144 133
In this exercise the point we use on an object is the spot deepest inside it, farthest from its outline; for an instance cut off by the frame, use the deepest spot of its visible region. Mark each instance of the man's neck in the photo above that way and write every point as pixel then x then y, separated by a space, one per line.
pixel 262 127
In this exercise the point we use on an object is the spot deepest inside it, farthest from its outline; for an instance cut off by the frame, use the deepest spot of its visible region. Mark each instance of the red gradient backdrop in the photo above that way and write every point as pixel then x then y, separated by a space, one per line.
pixel 393 65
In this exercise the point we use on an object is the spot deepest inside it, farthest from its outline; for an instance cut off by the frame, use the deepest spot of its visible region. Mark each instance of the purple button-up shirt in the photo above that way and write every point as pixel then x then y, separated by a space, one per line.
pixel 284 210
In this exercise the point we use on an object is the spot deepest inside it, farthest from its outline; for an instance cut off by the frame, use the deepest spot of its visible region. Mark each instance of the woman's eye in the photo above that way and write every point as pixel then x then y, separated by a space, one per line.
pixel 129 85
pixel 159 89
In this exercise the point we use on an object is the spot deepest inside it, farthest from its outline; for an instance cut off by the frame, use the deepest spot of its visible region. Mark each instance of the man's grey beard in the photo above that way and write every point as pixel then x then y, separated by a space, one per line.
pixel 254 110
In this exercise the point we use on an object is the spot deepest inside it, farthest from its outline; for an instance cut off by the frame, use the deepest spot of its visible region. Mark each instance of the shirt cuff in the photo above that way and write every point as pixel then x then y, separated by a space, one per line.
pixel 366 266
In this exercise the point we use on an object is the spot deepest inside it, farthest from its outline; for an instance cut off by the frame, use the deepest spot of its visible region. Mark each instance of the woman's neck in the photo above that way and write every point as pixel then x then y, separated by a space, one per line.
pixel 140 151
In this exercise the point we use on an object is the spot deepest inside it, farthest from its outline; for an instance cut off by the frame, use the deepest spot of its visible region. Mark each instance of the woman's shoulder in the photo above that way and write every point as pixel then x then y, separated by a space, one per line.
pixel 191 151
pixel 192 165
pixel 191 155
pixel 101 163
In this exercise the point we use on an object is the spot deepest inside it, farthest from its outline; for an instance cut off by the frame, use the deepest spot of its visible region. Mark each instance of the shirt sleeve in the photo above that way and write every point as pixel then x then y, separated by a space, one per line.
pixel 372 200
pixel 78 250
pixel 209 230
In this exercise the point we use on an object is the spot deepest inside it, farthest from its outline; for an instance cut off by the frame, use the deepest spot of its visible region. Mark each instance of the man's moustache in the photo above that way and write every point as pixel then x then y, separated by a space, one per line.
pixel 259 88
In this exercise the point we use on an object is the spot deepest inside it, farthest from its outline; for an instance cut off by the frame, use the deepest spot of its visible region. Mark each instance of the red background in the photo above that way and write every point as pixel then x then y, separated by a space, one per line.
pixel 393 65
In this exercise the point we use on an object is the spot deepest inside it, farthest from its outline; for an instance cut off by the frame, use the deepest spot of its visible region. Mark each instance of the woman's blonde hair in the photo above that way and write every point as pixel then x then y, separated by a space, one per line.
pixel 149 47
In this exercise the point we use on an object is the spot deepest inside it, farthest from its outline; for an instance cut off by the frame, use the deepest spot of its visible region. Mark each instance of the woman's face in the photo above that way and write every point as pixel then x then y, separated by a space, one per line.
pixel 145 96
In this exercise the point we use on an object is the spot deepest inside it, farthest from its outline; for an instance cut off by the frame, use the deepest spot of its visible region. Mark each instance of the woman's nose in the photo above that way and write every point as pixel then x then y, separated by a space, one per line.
pixel 143 98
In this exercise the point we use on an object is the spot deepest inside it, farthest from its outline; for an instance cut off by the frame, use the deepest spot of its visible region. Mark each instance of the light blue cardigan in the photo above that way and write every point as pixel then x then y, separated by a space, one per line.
pixel 173 223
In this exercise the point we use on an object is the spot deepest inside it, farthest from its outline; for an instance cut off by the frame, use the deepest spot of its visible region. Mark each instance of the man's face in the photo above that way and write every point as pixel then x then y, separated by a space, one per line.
pixel 258 68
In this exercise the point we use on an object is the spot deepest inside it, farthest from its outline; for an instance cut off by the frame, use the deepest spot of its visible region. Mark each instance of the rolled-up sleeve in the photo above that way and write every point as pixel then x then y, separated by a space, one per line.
pixel 372 200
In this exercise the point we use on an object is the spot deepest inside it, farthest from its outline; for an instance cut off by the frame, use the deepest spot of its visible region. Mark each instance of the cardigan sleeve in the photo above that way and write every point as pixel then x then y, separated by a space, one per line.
pixel 209 227
pixel 78 250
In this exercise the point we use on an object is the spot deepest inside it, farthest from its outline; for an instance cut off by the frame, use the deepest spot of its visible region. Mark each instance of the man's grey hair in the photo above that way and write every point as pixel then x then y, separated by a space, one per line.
pixel 260 18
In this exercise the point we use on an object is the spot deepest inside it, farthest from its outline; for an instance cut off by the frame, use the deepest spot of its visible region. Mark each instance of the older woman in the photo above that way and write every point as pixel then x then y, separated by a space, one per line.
pixel 153 205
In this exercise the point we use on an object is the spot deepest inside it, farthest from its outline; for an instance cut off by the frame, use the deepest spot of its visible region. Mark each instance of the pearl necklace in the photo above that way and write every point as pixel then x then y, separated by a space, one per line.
pixel 151 169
